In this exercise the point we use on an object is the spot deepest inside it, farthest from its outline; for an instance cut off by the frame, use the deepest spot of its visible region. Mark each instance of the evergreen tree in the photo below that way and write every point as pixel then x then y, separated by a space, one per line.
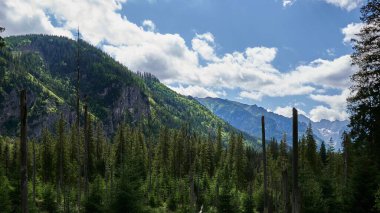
pixel 322 153
pixel 364 104
pixel 311 148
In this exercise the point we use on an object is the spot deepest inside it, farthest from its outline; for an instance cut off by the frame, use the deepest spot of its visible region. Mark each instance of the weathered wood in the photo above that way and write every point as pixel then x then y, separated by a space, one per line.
pixel 295 193
pixel 265 164
pixel 78 127
pixel 24 153
pixel 86 148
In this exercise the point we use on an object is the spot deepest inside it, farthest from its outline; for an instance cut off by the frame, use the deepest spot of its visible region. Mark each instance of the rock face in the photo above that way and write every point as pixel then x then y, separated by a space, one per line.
pixel 132 103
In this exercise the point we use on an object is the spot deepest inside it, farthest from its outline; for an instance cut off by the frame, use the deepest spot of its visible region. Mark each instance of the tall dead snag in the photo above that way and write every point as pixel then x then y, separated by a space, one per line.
pixel 78 126
pixel 265 164
pixel 86 148
pixel 295 194
pixel 34 171
pixel 24 153
pixel 60 157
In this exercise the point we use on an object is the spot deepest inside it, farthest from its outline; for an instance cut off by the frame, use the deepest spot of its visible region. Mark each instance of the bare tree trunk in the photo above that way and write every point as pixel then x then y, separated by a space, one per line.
pixel 78 126
pixel 34 171
pixel 295 194
pixel 60 157
pixel 265 164
pixel 86 146
pixel 24 153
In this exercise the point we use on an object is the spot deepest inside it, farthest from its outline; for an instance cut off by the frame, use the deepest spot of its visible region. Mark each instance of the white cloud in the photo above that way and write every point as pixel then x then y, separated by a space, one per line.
pixel 20 17
pixel 346 4
pixel 149 25
pixel 251 95
pixel 322 112
pixel 195 91
pixel 142 48
pixel 350 32
pixel 204 45
pixel 337 107
pixel 287 111
pixel 288 3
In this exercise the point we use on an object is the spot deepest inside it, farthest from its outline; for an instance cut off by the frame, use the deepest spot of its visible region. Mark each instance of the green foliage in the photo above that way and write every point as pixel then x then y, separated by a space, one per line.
pixel 95 201
pixel 377 201
pixel 5 200
pixel 49 203
pixel 127 195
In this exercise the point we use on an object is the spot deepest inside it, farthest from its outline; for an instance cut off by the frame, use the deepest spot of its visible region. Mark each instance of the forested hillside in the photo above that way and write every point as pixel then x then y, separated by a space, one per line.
pixel 47 67
pixel 79 132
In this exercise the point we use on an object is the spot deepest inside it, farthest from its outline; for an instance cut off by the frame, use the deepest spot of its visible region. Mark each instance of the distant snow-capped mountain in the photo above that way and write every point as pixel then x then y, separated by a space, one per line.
pixel 248 119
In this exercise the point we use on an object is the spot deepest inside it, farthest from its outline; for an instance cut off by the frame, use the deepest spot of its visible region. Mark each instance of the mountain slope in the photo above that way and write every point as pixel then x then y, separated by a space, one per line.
pixel 46 67
pixel 247 118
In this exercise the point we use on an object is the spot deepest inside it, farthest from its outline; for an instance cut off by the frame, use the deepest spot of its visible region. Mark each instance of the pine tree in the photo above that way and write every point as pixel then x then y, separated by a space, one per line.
pixel 219 147
pixel 364 104
pixel 47 156
pixel 60 146
pixel 322 153
pixel 311 149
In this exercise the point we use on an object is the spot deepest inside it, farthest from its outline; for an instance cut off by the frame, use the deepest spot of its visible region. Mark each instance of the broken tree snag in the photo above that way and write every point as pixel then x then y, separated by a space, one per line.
pixel 86 150
pixel 24 153
pixel 265 164
pixel 295 194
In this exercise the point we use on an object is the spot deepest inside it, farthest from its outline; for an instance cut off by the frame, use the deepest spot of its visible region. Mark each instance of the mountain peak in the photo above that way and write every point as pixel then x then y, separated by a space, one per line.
pixel 247 118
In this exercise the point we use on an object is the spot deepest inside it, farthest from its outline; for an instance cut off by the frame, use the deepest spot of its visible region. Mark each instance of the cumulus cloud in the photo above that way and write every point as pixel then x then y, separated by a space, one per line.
pixel 149 25
pixel 195 91
pixel 167 56
pixel 336 110
pixel 346 4
pixel 287 111
pixel 20 17
pixel 203 44
pixel 350 32
pixel 321 112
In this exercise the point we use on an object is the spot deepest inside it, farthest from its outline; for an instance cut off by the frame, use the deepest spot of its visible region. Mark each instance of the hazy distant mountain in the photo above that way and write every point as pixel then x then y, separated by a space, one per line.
pixel 247 118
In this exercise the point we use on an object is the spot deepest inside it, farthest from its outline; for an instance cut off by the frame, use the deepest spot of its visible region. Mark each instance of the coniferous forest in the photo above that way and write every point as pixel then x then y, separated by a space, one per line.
pixel 169 158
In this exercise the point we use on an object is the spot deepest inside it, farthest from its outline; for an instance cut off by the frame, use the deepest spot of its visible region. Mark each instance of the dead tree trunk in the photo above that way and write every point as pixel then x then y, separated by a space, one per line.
pixel 34 171
pixel 78 126
pixel 86 148
pixel 24 153
pixel 60 157
pixel 295 194
pixel 265 164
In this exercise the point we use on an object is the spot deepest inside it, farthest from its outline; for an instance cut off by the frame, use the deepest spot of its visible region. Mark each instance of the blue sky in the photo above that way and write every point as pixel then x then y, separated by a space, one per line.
pixel 276 54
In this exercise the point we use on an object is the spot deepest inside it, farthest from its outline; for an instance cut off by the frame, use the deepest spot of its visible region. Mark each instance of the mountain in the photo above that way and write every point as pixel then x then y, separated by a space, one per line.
pixel 248 119
pixel 46 67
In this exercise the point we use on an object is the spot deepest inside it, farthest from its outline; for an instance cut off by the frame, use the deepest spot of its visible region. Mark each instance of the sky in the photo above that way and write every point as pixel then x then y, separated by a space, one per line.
pixel 277 54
